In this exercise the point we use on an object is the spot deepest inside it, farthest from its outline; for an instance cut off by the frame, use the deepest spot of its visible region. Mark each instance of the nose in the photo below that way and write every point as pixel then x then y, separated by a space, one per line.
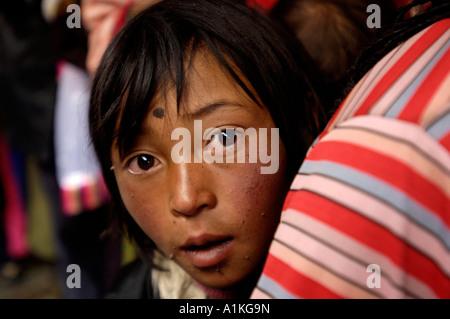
pixel 191 190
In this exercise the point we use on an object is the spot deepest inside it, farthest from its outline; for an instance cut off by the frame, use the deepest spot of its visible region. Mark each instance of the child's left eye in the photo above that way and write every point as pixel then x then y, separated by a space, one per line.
pixel 141 164
pixel 226 137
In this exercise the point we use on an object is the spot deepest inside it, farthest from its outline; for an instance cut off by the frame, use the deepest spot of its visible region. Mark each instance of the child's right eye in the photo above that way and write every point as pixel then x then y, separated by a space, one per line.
pixel 141 164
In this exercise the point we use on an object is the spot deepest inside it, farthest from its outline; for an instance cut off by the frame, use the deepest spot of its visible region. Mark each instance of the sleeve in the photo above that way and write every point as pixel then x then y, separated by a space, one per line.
pixel 372 194
pixel 367 215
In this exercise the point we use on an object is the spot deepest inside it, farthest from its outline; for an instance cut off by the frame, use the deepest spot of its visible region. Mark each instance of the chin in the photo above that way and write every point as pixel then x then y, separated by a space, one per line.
pixel 218 282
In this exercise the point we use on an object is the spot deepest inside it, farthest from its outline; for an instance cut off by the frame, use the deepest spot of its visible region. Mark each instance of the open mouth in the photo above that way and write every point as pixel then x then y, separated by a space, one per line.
pixel 207 245
pixel 205 252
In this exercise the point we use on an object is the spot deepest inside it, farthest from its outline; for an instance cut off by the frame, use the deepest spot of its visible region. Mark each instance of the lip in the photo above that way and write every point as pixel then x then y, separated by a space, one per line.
pixel 207 250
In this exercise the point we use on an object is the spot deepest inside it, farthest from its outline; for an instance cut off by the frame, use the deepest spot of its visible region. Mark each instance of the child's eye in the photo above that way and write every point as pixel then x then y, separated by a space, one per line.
pixel 141 164
pixel 226 137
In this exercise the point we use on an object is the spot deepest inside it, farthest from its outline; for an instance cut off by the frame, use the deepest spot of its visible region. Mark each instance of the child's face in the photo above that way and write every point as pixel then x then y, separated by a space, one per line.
pixel 216 220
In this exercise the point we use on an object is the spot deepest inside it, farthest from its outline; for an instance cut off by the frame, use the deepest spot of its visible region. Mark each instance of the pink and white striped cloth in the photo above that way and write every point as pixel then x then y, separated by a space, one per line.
pixel 374 188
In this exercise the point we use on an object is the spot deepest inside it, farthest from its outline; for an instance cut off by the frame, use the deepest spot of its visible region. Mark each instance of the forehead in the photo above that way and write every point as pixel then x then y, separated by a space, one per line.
pixel 207 83
pixel 209 91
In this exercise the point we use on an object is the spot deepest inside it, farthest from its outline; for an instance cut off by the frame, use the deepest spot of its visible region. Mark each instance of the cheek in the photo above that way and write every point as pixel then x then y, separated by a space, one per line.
pixel 130 194
pixel 267 190
pixel 257 209
pixel 265 195
pixel 146 213
pixel 258 199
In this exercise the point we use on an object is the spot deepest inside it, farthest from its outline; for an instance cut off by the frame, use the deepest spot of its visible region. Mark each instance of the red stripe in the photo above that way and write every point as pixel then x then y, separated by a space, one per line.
pixel 428 37
pixel 295 282
pixel 445 141
pixel 372 235
pixel 121 20
pixel 388 170
pixel 267 5
pixel 14 214
pixel 418 104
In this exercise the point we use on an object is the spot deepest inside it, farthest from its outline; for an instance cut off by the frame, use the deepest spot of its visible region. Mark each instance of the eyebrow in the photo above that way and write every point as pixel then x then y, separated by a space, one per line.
pixel 213 107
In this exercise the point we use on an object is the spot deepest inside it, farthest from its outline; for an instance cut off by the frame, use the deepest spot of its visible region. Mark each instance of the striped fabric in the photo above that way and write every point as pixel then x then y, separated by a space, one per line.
pixel 374 188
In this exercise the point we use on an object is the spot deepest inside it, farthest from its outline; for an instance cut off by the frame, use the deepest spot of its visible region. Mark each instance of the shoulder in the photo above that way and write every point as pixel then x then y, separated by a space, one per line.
pixel 410 84
pixel 374 187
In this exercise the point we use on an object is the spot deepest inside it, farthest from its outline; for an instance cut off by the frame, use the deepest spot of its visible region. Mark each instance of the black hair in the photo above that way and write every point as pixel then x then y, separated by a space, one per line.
pixel 151 51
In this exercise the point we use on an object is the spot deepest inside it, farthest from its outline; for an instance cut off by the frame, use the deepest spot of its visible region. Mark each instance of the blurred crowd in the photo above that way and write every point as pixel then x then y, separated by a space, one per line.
pixel 53 203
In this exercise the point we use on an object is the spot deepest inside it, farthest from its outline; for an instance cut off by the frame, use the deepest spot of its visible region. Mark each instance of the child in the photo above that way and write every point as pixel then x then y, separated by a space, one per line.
pixel 214 68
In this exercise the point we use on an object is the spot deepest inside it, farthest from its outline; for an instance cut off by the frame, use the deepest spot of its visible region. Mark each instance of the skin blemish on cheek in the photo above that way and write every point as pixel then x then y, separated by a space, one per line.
pixel 158 113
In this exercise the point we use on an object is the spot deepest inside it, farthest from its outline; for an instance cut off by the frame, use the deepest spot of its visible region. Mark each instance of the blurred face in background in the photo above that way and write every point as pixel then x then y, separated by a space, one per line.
pixel 102 19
